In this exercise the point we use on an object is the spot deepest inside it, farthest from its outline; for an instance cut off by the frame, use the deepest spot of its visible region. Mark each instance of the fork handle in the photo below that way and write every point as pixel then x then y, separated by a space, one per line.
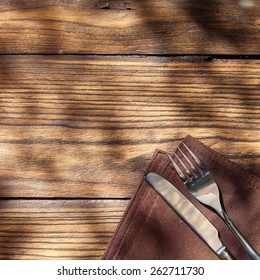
pixel 246 245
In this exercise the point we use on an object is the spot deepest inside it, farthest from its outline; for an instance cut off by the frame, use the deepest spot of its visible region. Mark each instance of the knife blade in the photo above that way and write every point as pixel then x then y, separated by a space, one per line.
pixel 189 213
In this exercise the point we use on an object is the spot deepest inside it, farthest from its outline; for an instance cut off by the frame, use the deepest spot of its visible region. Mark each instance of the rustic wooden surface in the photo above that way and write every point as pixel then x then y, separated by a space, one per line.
pixel 77 130
pixel 83 126
pixel 57 229
pixel 112 27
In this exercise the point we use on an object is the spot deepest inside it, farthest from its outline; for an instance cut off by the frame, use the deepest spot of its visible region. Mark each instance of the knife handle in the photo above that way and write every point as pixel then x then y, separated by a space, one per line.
pixel 225 255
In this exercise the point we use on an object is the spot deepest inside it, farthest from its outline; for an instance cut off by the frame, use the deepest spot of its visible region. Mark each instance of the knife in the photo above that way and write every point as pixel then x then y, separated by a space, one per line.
pixel 189 213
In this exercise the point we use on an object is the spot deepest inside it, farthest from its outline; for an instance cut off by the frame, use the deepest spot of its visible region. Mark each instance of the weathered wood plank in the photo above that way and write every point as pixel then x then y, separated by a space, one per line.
pixel 57 229
pixel 84 126
pixel 130 27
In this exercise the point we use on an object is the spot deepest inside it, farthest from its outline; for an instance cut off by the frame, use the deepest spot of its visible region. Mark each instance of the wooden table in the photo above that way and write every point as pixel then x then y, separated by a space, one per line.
pixel 89 90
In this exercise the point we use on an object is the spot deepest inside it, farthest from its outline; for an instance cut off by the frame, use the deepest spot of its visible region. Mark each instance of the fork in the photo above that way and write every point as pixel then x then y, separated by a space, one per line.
pixel 204 188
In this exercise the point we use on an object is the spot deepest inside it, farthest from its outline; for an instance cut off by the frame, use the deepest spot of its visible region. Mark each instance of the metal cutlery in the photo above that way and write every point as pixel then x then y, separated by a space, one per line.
pixel 189 213
pixel 204 188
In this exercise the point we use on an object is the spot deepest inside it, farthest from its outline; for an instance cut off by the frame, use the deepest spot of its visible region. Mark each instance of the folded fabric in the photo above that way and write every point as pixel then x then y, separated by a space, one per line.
pixel 150 229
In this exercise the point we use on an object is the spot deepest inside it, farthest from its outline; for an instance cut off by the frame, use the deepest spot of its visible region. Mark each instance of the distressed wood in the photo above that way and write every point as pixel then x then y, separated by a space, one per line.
pixel 77 131
pixel 130 27
pixel 86 126
pixel 57 229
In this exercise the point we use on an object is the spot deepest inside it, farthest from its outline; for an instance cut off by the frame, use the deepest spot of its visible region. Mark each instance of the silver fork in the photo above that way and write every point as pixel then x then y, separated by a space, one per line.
pixel 204 188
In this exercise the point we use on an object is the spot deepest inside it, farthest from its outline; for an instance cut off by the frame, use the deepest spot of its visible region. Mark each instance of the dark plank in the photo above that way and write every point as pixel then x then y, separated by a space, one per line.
pixel 84 126
pixel 58 229
pixel 130 27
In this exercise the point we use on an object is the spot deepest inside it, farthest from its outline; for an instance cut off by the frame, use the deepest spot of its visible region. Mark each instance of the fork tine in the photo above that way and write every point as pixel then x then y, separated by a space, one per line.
pixel 189 162
pixel 181 174
pixel 182 163
pixel 196 159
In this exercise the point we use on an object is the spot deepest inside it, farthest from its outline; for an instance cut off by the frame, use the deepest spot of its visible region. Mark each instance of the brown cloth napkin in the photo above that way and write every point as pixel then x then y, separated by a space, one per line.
pixel 150 229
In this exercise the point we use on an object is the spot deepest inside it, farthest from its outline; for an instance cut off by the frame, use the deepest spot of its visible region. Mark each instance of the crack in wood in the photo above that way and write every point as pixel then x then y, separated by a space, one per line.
pixel 119 5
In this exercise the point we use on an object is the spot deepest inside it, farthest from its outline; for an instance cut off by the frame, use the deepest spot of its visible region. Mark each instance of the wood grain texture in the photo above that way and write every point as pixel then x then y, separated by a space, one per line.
pixel 57 229
pixel 81 128
pixel 86 126
pixel 130 27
